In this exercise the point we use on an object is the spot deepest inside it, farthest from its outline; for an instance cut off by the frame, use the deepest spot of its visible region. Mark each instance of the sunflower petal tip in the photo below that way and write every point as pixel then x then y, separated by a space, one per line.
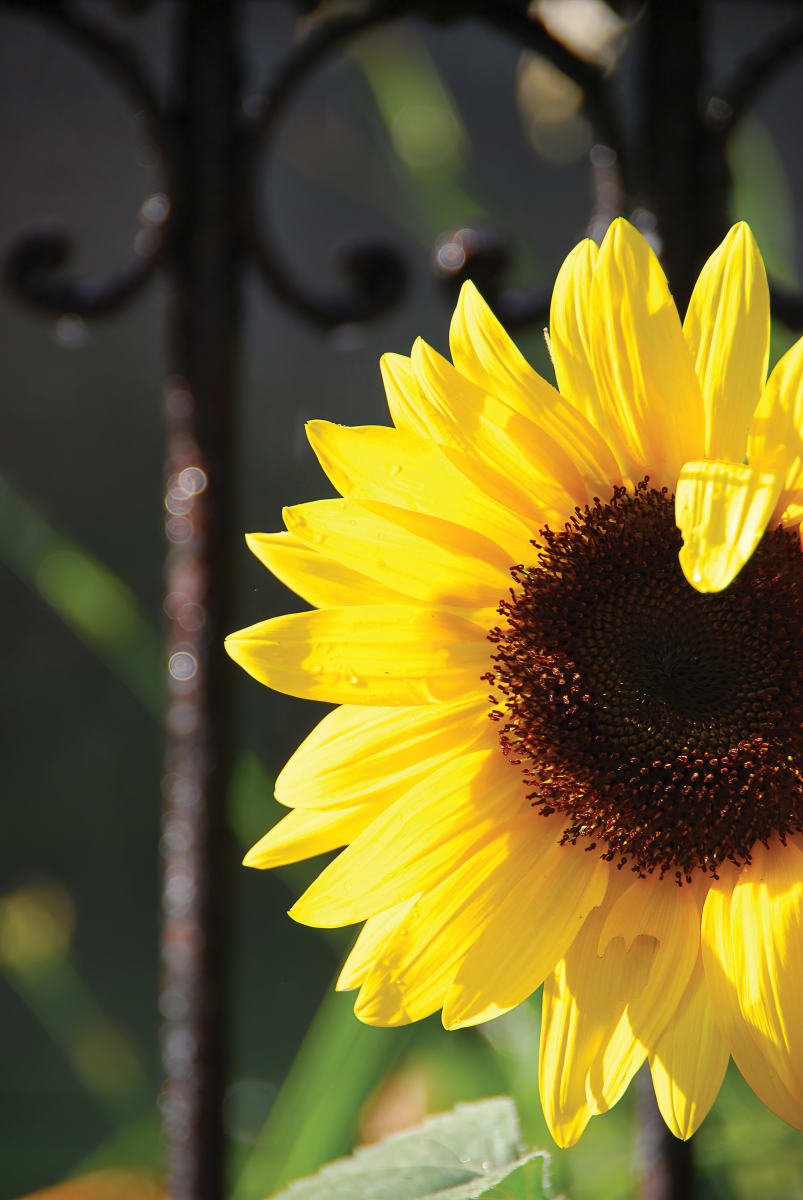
pixel 741 237
pixel 690 566
pixel 618 228
pixel 377 1017
pixel 564 1139
pixel 308 910
pixel 471 300
pixel 256 541
pixel 586 249
pixel 463 1016
pixel 621 234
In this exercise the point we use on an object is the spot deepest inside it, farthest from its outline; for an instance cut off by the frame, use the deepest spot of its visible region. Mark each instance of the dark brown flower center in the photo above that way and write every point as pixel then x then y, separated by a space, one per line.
pixel 665 724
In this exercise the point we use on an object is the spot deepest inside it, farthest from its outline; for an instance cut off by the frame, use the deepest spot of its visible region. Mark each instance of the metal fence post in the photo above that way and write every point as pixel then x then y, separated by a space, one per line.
pixel 200 394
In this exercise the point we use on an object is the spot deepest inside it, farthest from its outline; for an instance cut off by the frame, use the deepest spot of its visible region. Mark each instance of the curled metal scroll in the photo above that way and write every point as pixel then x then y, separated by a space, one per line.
pixel 33 270
pixel 377 272
pixel 36 266
pixel 486 255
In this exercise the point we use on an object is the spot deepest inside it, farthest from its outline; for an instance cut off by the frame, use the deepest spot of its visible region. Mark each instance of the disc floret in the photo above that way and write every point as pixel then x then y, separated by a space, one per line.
pixel 662 722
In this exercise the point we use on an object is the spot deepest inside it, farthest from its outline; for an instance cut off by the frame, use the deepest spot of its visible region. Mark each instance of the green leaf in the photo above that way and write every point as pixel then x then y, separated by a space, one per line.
pixel 470 1152
pixel 529 1181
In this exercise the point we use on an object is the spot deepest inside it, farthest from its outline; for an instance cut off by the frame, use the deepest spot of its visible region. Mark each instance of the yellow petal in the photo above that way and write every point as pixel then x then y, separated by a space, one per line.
pixel 647 388
pixel 407 408
pixel 727 327
pixel 569 334
pixel 361 755
pixel 316 578
pixel 776 433
pixel 375 933
pixel 741 1005
pixel 513 460
pixel 689 1060
pixel 367 654
pixel 585 1035
pixel 531 929
pixel 411 978
pixel 570 344
pixel 659 909
pixel 304 833
pixel 483 352
pixel 721 509
pixel 417 841
pixel 767 931
pixel 648 946
pixel 394 466
pixel 424 557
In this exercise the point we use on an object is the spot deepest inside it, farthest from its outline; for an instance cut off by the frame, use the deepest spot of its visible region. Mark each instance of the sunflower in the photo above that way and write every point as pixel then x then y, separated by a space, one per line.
pixel 563 628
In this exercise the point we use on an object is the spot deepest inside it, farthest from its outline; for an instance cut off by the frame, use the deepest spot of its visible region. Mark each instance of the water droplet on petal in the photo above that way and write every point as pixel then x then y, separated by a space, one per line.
pixel 395 469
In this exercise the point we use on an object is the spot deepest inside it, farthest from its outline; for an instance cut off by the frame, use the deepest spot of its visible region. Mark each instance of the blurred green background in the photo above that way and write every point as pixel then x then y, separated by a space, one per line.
pixel 411 131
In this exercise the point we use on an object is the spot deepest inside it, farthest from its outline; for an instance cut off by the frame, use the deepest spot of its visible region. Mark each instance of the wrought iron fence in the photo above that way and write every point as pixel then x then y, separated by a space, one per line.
pixel 659 149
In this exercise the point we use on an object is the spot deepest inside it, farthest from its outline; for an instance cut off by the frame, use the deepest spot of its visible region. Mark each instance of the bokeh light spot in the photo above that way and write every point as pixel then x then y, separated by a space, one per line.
pixel 182 665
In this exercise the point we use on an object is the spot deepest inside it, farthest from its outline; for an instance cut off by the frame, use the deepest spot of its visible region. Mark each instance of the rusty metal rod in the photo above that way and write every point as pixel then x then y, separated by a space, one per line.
pixel 205 262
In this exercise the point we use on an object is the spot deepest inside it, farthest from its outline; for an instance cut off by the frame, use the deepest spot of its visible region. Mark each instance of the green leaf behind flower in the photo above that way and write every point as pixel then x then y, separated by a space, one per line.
pixel 470 1152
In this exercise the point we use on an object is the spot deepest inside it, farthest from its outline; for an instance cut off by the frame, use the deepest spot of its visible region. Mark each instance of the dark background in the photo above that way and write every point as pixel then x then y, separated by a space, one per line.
pixel 81 450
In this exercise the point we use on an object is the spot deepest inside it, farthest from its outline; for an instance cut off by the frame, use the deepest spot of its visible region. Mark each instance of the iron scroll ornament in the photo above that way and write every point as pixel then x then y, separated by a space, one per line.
pixel 35 267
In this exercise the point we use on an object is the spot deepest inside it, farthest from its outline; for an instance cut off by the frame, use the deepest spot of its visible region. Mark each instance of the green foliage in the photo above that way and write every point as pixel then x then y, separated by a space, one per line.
pixel 99 608
pixel 470 1152
pixel 763 196
pixel 315 1114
